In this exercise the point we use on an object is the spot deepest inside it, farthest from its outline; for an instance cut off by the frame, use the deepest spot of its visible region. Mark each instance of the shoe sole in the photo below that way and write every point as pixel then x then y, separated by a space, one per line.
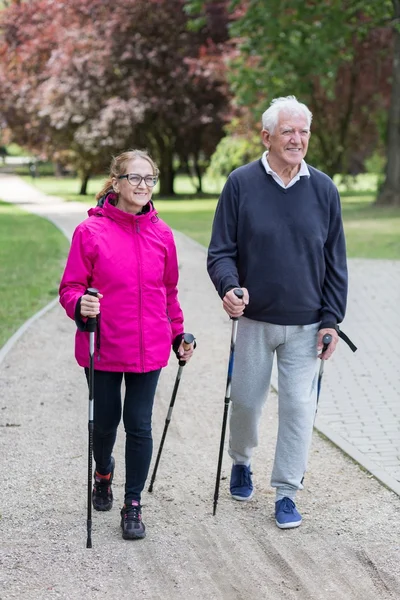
pixel 289 525
pixel 134 537
pixel 102 508
pixel 242 498
pixel 138 536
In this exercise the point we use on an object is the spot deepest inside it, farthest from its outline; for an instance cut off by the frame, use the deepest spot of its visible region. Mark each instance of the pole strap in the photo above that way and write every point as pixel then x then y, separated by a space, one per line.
pixel 346 339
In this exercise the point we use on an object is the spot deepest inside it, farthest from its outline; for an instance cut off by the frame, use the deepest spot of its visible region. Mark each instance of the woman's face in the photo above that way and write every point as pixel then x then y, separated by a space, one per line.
pixel 132 196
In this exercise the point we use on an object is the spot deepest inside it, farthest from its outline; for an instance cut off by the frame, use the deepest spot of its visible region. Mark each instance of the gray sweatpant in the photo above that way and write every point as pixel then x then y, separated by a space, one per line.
pixel 296 350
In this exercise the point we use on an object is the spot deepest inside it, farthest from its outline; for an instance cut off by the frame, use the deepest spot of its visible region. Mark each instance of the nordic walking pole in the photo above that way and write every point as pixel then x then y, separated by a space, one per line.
pixel 326 340
pixel 91 325
pixel 239 294
pixel 188 339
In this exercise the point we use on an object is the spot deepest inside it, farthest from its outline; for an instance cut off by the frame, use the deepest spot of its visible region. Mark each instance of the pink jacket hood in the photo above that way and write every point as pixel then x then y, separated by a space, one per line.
pixel 132 261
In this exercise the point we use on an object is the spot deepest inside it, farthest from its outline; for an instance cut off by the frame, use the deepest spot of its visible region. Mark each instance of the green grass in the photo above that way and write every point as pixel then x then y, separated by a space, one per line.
pixel 32 250
pixel 32 253
pixel 371 231
pixel 68 187
pixel 192 217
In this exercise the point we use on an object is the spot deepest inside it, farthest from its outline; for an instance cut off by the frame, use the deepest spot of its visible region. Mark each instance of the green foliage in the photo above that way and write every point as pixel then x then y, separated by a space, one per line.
pixel 15 150
pixel 304 39
pixel 287 44
pixel 376 163
pixel 334 55
pixel 232 152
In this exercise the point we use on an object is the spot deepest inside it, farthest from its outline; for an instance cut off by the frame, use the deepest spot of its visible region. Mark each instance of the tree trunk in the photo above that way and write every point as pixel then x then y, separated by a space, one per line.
pixel 167 173
pixel 84 182
pixel 58 170
pixel 197 170
pixel 389 193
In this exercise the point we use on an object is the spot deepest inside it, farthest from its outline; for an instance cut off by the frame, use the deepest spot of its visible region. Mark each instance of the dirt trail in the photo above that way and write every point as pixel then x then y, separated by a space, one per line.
pixel 347 548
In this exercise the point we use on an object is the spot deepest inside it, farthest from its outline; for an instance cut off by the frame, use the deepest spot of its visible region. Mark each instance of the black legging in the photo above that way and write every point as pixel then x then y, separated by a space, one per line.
pixel 138 408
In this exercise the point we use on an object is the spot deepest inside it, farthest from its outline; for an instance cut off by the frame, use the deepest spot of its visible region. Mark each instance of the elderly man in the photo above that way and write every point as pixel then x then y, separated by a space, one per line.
pixel 278 235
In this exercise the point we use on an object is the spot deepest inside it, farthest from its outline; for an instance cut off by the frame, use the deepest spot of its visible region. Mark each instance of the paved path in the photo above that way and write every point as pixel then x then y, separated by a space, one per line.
pixel 360 401
pixel 346 549
pixel 359 408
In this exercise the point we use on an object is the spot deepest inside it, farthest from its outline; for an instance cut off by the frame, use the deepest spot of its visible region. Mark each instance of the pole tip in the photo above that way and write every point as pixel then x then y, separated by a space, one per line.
pixel 89 543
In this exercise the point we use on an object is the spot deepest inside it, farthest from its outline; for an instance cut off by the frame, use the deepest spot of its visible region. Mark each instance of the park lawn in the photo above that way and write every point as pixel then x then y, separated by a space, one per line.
pixel 66 187
pixel 371 231
pixel 32 255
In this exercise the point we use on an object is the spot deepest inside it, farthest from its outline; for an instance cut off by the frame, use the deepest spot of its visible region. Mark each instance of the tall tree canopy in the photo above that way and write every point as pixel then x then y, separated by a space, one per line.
pixel 84 80
pixel 335 55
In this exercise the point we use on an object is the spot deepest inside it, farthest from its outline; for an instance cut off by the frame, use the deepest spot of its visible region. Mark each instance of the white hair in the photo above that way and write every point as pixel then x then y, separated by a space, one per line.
pixel 287 104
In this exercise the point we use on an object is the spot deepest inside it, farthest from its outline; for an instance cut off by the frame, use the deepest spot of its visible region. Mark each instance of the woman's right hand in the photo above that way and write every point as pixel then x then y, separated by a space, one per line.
pixel 90 305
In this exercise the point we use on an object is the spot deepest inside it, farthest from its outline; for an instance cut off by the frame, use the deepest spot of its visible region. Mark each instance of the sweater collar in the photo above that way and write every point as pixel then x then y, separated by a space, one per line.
pixel 303 172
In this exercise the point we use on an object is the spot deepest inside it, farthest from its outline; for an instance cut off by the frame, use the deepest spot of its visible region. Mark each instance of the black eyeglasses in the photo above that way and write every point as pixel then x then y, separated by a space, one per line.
pixel 135 180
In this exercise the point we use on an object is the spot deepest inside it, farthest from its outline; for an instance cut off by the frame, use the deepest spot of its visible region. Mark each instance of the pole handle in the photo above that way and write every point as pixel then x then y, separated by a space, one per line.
pixel 92 291
pixel 91 321
pixel 188 339
pixel 239 294
pixel 326 340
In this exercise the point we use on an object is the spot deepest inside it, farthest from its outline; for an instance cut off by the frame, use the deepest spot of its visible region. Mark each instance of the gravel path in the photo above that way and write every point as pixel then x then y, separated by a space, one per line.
pixel 347 548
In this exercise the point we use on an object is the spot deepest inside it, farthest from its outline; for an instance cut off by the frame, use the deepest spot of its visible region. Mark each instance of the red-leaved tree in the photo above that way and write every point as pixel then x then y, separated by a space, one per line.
pixel 82 81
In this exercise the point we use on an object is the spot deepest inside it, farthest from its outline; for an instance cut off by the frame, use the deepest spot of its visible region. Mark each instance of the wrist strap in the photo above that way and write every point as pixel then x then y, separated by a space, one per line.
pixel 346 339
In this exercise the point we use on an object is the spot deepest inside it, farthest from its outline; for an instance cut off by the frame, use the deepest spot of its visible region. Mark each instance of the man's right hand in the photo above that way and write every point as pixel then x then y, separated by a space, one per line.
pixel 90 305
pixel 233 305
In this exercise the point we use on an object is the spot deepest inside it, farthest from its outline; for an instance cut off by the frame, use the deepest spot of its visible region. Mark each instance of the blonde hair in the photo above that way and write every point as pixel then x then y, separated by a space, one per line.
pixel 118 166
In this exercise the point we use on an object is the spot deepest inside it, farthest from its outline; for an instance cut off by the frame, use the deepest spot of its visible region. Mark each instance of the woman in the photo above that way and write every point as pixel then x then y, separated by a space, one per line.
pixel 126 252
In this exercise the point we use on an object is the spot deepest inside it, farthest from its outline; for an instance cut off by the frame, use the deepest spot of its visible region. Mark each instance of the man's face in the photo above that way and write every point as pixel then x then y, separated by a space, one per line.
pixel 289 143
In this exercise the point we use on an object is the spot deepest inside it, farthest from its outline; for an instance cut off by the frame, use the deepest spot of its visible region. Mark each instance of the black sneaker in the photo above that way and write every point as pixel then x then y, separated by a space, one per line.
pixel 131 522
pixel 102 496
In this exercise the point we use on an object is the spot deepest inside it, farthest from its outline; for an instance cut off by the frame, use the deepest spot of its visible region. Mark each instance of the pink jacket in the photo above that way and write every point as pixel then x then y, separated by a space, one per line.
pixel 132 261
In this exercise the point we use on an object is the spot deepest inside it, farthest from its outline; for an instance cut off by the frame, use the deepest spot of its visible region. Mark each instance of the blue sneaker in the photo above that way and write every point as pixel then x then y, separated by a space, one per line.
pixel 286 514
pixel 241 486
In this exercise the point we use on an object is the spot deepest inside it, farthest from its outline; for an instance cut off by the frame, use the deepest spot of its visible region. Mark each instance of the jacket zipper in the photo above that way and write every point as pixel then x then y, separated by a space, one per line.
pixel 141 345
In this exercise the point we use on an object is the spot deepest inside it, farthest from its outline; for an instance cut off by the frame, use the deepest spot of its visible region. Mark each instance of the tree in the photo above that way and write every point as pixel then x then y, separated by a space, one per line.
pixel 30 93
pixel 389 194
pixel 98 81
pixel 334 55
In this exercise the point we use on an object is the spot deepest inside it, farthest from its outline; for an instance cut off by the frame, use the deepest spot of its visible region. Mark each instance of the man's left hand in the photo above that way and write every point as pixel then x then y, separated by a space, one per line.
pixel 331 348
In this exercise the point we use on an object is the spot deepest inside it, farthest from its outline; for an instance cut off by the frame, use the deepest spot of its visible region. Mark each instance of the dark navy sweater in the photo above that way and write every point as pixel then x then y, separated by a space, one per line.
pixel 286 246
